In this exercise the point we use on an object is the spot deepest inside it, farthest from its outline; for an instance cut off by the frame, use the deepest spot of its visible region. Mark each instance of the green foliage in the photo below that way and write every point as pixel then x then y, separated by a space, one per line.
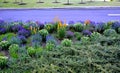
pixel 95 36
pixel 119 30
pixel 3 61
pixel 61 32
pixel 78 35
pixel 66 42
pixel 4 45
pixel 31 51
pixel 1 54
pixel 8 36
pixel 78 27
pixel 13 50
pixel 75 59
pixel 85 40
pixel 39 51
pixel 49 28
pixel 1 37
pixel 43 33
pixel 50 46
pixel 109 32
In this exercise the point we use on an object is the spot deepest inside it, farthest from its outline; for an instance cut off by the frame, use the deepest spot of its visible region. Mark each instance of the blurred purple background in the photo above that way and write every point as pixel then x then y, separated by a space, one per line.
pixel 48 15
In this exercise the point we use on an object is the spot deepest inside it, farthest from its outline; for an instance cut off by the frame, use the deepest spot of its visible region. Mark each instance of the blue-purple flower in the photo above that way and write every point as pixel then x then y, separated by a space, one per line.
pixel 86 32
pixel 2 30
pixel 69 34
pixel 51 39
pixel 116 25
pixel 22 38
pixel 16 28
pixel 24 32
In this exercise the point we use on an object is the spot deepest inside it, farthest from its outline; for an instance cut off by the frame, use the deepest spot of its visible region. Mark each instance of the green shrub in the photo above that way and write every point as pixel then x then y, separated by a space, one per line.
pixel 4 45
pixel 9 36
pixel 50 46
pixel 78 35
pixel 13 50
pixel 1 37
pixel 78 27
pixel 3 61
pixel 43 33
pixel 61 32
pixel 66 42
pixel 95 36
pixel 39 51
pixel 109 32
pixel 49 28
pixel 85 40
pixel 31 51
pixel 2 54
pixel 119 30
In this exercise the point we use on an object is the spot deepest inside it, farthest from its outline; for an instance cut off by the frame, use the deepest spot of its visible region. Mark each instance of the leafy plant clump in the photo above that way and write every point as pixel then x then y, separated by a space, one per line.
pixel 109 32
pixel 78 27
pixel 13 50
pixel 3 61
pixel 4 45
pixel 66 42
pixel 43 33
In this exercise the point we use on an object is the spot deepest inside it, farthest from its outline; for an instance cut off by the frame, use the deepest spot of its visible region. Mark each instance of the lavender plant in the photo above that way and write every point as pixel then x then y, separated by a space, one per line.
pixel 69 34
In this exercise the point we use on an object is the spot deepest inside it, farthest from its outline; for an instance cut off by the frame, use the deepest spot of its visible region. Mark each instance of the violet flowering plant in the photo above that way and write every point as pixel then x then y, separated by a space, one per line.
pixel 86 32
pixel 24 32
pixel 115 25
pixel 69 34
pixel 16 28
pixel 2 30
pixel 2 23
pixel 22 38
pixel 51 39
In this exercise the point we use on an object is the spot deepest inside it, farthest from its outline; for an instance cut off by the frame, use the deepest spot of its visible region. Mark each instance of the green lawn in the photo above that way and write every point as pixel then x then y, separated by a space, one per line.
pixel 48 3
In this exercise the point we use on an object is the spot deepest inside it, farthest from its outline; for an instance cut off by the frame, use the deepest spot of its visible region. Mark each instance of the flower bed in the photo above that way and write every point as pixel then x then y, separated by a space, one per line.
pixel 60 48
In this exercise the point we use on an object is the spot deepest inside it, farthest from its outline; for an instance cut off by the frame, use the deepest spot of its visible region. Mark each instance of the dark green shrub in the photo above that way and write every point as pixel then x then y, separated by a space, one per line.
pixel 78 35
pixel 70 27
pixel 66 43
pixel 49 28
pixel 61 32
pixel 43 33
pixel 119 30
pixel 13 50
pixel 78 27
pixel 109 32
pixel 3 61
pixel 4 45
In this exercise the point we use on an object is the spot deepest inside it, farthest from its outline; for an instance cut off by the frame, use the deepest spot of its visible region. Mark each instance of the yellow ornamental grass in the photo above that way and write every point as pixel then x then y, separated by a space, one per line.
pixel 35 30
pixel 60 25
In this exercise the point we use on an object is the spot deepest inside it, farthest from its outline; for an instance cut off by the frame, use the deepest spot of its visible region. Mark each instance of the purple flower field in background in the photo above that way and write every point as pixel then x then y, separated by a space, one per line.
pixel 68 15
